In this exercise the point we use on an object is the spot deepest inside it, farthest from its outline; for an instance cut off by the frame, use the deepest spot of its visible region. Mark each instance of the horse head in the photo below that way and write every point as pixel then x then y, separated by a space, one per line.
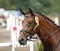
pixel 29 25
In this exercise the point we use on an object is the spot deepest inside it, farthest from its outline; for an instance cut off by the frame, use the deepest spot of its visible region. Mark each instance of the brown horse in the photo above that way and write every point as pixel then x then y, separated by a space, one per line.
pixel 48 32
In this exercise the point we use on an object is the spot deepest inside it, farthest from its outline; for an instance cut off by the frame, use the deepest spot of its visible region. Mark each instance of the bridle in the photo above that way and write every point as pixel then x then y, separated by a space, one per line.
pixel 31 32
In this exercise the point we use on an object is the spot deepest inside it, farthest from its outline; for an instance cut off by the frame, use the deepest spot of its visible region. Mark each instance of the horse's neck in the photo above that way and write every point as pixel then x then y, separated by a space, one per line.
pixel 46 26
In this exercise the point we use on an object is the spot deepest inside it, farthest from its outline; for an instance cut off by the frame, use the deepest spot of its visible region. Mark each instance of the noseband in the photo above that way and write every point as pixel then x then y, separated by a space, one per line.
pixel 25 31
pixel 30 34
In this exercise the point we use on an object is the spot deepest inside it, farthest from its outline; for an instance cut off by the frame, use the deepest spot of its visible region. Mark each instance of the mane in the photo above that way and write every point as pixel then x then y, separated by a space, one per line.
pixel 46 18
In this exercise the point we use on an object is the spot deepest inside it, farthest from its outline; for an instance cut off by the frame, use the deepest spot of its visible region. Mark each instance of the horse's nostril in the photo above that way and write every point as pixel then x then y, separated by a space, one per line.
pixel 22 39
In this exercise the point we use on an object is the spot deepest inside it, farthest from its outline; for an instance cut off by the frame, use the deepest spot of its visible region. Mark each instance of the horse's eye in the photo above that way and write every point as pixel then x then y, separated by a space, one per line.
pixel 29 23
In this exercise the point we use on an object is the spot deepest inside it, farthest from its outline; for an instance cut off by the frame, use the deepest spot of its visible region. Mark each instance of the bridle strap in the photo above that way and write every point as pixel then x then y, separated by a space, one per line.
pixel 25 31
pixel 30 33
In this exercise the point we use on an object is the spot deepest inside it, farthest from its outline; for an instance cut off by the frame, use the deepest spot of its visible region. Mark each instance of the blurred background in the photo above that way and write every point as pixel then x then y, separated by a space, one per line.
pixel 44 6
pixel 51 8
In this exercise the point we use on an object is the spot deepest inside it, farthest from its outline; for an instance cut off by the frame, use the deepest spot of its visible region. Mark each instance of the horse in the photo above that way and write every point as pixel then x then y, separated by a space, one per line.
pixel 46 29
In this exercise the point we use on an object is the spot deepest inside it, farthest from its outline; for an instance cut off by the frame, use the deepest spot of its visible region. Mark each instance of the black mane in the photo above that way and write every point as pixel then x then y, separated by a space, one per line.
pixel 47 18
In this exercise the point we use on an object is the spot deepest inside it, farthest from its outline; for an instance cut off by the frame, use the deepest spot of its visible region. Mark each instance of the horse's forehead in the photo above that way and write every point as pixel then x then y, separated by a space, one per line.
pixel 25 20
pixel 29 18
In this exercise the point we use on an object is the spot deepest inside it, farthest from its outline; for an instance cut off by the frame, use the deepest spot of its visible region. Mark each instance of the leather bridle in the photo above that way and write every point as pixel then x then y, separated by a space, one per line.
pixel 29 32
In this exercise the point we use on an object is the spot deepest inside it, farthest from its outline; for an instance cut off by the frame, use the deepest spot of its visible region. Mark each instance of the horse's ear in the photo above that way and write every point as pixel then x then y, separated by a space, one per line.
pixel 22 11
pixel 31 11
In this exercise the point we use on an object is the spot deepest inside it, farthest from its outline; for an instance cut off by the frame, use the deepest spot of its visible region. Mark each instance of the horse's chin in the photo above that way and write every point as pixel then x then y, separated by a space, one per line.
pixel 23 43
